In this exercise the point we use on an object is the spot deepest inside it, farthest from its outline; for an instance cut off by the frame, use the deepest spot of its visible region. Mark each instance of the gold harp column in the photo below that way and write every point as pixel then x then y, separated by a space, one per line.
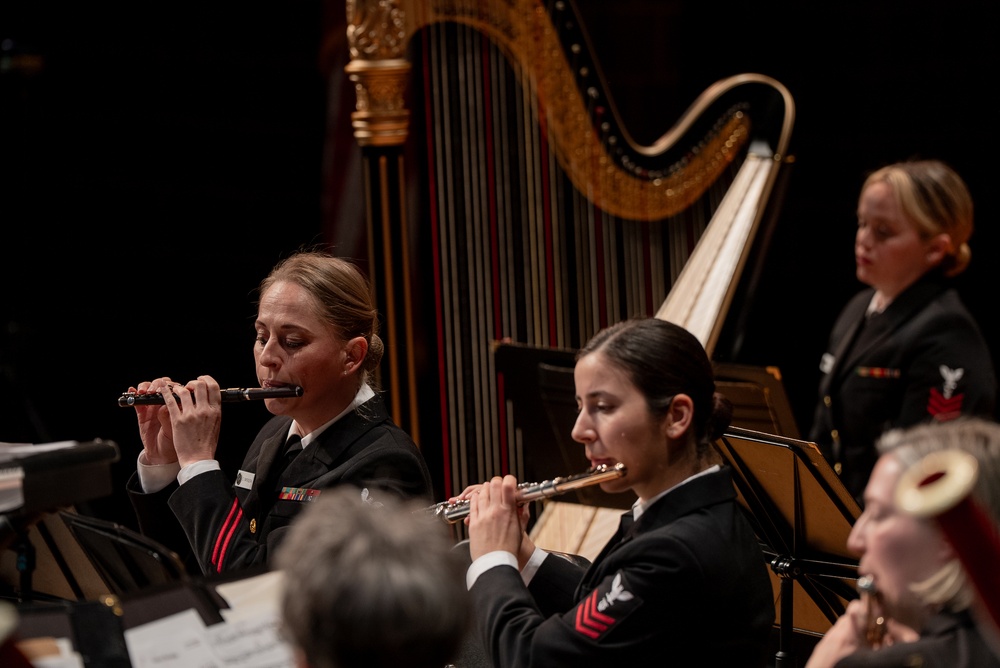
pixel 380 73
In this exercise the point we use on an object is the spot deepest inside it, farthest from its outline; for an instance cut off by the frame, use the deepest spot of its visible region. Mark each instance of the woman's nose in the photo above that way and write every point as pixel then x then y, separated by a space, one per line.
pixel 582 432
pixel 268 354
pixel 863 237
pixel 855 539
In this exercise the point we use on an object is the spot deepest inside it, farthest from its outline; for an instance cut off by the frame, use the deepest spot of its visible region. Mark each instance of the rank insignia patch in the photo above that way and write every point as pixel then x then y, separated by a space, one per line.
pixel 945 405
pixel 944 408
pixel 607 605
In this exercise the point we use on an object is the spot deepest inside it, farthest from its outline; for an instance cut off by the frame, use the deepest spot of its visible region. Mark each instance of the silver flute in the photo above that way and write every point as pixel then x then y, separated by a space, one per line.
pixel 230 394
pixel 532 491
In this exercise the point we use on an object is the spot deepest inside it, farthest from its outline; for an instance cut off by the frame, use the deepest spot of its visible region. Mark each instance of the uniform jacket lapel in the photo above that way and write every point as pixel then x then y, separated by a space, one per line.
pixel 690 497
pixel 270 450
pixel 332 445
pixel 855 347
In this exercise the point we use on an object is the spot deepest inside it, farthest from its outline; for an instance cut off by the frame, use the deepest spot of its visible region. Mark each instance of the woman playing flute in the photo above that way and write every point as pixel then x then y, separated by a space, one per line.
pixel 316 328
pixel 684 578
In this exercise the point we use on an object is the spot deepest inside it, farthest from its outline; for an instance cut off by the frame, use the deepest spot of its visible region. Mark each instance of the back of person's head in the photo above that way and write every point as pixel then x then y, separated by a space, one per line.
pixel 372 584
pixel 663 359
pixel 936 199
pixel 342 294
pixel 978 437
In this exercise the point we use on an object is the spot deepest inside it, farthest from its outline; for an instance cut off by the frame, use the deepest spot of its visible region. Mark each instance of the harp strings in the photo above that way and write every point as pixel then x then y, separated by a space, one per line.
pixel 520 252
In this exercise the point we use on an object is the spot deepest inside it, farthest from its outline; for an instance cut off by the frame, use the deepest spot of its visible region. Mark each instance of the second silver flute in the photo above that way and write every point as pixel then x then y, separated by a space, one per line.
pixel 532 491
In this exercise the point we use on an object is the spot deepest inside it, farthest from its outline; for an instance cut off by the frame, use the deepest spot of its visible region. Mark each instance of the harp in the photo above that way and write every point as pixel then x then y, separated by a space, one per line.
pixel 506 202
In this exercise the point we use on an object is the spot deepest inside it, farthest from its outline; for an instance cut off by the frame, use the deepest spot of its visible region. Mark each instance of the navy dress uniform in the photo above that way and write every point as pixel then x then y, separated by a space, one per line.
pixel 923 358
pixel 686 581
pixel 235 525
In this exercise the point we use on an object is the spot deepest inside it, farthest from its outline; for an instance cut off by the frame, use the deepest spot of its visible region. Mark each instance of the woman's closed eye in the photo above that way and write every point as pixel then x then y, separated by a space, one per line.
pixel 288 343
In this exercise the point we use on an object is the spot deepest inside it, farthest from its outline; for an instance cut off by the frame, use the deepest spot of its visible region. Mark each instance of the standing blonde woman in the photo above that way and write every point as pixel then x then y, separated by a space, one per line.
pixel 905 350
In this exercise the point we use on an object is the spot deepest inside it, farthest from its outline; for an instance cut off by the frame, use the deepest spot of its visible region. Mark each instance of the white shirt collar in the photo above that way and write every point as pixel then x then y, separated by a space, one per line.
pixel 877 304
pixel 640 506
pixel 365 392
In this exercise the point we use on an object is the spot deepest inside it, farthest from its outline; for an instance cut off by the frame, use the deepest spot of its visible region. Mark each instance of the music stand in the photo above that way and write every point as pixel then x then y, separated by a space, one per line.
pixel 803 515
pixel 41 478
pixel 126 560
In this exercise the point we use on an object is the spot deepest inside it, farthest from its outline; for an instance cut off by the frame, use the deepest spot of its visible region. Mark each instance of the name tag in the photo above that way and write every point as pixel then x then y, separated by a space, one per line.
pixel 826 362
pixel 244 479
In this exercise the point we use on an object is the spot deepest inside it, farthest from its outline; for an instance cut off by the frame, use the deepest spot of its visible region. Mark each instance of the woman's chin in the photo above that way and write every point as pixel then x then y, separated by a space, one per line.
pixel 614 487
pixel 276 406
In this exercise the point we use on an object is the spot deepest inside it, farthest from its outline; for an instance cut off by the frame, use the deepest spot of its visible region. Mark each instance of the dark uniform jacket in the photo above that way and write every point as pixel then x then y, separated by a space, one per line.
pixel 921 359
pixel 949 640
pixel 685 585
pixel 234 525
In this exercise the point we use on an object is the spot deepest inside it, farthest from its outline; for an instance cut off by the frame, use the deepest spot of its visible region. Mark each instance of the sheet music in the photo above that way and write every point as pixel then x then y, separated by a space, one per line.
pixel 248 638
pixel 183 641
pixel 259 592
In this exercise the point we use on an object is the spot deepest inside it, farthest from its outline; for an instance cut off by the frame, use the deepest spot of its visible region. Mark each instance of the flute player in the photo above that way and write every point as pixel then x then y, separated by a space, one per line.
pixel 316 328
pixel 683 579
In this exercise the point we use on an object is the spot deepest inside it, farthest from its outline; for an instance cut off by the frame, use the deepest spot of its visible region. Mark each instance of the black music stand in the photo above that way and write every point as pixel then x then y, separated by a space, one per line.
pixel 42 478
pixel 802 514
pixel 126 560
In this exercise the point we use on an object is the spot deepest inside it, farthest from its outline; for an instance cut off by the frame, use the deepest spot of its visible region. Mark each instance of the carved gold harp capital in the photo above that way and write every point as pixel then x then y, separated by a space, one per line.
pixel 379 33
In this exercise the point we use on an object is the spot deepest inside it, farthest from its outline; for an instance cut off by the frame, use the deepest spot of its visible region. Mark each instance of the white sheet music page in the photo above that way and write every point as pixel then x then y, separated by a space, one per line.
pixel 248 638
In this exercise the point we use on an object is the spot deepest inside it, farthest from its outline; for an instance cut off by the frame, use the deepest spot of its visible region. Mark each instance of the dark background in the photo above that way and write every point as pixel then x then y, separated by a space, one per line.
pixel 157 159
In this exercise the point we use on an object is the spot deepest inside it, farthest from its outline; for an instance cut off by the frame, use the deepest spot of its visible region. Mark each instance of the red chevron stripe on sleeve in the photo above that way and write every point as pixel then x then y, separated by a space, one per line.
pixel 942 408
pixel 606 606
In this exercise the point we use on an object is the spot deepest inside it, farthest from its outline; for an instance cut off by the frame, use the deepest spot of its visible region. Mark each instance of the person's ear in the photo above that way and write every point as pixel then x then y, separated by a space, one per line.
pixel 355 351
pixel 679 416
pixel 938 248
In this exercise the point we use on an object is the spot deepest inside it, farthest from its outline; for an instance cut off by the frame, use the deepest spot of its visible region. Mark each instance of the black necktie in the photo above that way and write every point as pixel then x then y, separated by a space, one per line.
pixel 293 446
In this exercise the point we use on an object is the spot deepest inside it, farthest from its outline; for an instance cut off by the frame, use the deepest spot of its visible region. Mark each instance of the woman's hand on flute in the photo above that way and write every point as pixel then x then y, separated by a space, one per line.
pixel 195 416
pixel 495 518
pixel 155 429
pixel 466 495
